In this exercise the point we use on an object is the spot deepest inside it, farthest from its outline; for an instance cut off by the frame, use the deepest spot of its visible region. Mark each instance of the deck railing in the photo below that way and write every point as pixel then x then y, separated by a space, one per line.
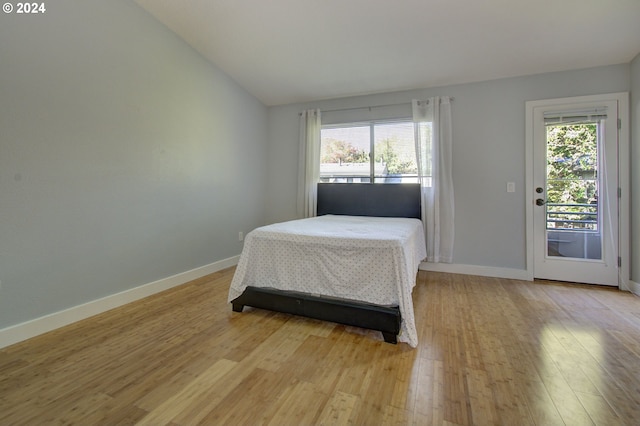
pixel 572 216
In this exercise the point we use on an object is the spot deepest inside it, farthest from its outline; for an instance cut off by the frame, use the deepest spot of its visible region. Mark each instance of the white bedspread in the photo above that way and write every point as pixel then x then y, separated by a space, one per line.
pixel 369 259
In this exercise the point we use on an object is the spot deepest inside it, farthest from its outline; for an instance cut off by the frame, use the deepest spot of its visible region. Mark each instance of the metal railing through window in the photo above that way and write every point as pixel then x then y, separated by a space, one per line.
pixel 572 216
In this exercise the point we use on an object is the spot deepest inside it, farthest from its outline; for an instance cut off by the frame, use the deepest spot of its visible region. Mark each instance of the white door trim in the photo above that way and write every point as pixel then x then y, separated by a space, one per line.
pixel 623 177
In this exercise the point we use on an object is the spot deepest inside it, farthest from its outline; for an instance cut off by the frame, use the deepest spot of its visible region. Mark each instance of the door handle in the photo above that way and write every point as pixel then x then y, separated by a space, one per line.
pixel 540 202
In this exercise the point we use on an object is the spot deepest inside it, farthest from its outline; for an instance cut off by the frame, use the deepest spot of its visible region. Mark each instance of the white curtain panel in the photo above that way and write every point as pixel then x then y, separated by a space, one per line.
pixel 432 123
pixel 309 162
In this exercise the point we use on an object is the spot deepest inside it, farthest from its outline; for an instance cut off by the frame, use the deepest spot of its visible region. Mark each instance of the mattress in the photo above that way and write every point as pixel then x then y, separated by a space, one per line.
pixel 367 259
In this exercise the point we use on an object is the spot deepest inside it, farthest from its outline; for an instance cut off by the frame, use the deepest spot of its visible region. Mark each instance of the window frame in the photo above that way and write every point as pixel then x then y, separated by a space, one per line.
pixel 371 124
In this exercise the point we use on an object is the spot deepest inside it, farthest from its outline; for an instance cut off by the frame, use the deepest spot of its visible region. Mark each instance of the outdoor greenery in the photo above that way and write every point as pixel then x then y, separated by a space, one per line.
pixel 572 156
pixel 339 151
pixel 385 152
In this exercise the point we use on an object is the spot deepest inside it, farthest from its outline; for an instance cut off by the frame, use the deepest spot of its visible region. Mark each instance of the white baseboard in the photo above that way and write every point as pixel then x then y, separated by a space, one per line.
pixel 488 271
pixel 32 328
pixel 483 271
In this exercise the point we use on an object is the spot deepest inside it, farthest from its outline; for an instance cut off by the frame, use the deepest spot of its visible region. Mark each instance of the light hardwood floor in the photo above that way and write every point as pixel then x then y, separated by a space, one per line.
pixel 492 351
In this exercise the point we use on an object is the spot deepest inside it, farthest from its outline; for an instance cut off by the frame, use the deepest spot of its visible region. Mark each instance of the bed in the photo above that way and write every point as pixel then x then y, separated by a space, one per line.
pixel 354 264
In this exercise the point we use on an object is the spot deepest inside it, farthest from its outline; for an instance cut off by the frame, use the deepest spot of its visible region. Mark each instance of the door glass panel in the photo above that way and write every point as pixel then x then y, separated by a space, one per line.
pixel 573 216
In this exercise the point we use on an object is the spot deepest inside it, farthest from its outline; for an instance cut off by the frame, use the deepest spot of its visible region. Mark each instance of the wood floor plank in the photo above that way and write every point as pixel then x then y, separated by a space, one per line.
pixel 248 402
pixel 301 403
pixel 491 351
pixel 188 398
pixel 483 410
pixel 338 410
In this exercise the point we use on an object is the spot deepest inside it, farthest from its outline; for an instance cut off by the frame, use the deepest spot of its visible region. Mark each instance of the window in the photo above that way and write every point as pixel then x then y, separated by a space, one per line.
pixel 572 177
pixel 373 152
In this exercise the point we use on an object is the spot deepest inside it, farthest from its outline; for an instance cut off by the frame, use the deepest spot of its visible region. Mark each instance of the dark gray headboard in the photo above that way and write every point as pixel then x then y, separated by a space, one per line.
pixel 368 199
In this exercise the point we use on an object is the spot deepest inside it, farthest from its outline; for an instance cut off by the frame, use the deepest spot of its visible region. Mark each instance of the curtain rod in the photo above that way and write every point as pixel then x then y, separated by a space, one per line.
pixel 369 107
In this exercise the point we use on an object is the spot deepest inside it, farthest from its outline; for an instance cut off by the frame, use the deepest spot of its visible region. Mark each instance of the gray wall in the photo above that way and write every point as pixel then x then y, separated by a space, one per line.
pixel 124 157
pixel 635 170
pixel 489 151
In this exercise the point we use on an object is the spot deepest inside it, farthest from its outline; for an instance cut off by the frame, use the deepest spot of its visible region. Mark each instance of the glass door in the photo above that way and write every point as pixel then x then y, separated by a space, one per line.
pixel 575 194
pixel 573 211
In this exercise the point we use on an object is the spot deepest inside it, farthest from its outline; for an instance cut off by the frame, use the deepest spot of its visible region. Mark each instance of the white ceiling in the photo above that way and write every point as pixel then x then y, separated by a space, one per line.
pixel 286 51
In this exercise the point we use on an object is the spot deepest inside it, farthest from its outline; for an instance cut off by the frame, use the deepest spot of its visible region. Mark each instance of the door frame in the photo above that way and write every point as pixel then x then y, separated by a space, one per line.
pixel 624 156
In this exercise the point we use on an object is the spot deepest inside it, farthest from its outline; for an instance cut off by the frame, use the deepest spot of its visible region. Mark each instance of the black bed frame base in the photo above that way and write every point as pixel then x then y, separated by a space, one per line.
pixel 357 314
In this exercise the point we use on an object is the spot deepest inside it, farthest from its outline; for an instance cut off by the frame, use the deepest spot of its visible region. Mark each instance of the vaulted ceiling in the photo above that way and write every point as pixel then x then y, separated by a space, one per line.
pixel 285 51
